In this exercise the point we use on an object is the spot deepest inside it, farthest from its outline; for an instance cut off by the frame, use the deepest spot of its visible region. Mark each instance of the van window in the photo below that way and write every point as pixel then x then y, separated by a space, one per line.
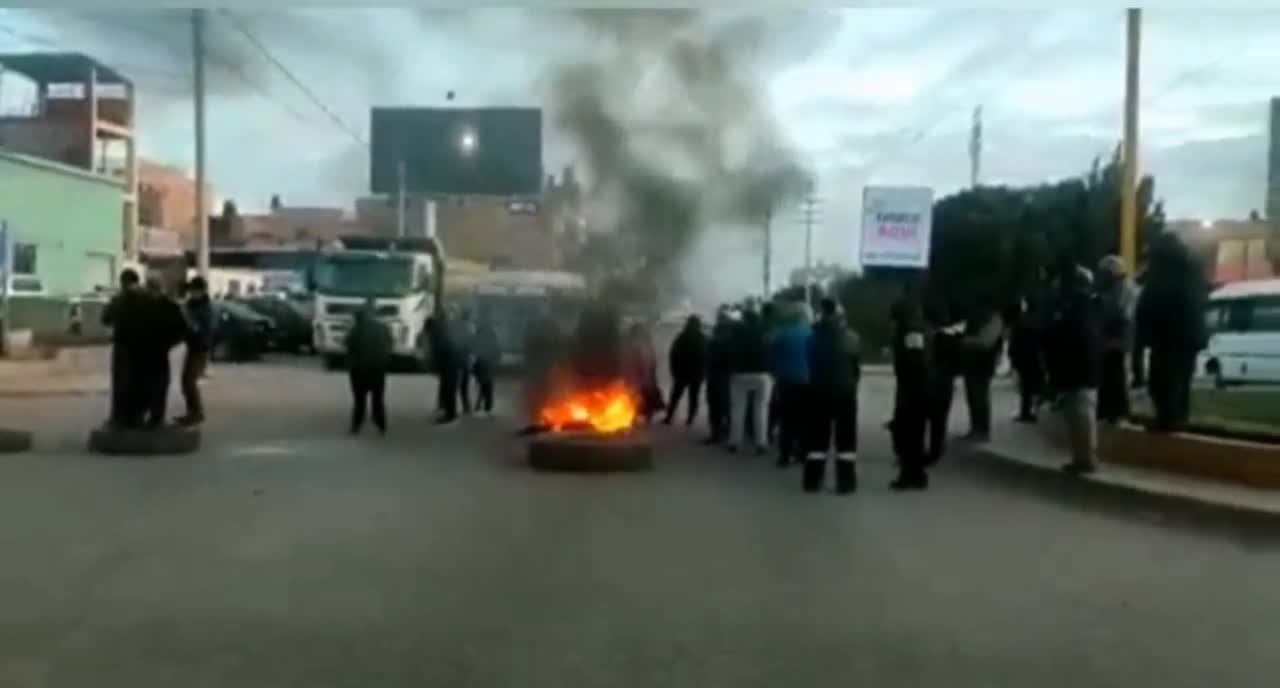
pixel 1266 315
pixel 1239 314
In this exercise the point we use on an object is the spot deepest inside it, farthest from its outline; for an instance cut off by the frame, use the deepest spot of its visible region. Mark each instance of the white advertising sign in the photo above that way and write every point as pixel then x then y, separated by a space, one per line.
pixel 897 224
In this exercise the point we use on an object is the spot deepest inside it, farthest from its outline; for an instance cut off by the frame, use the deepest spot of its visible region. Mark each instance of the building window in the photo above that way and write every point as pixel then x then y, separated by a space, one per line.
pixel 24 259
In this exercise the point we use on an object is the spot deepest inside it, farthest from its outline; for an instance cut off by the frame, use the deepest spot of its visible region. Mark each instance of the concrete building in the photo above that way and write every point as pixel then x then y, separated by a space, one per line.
pixel 167 200
pixel 81 116
pixel 65 220
pixel 287 226
pixel 1232 250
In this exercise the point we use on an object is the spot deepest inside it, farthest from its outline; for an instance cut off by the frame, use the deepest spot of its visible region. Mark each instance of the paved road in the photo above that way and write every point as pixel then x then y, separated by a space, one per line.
pixel 287 554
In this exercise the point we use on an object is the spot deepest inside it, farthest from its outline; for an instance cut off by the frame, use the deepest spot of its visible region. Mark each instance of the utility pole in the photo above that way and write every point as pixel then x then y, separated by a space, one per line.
pixel 401 202
pixel 1129 174
pixel 202 210
pixel 975 148
pixel 768 252
pixel 810 211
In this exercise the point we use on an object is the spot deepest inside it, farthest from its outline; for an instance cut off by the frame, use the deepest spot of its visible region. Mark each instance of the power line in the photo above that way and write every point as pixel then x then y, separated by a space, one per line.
pixel 244 30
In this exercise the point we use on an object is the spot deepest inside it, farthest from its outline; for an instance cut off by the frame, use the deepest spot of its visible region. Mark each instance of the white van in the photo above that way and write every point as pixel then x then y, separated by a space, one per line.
pixel 1243 321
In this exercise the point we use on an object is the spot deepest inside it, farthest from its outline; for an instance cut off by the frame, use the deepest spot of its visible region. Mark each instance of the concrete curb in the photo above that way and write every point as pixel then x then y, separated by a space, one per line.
pixel 52 393
pixel 1116 495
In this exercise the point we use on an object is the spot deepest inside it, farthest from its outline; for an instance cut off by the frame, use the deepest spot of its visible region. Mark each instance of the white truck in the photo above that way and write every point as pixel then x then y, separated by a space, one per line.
pixel 403 284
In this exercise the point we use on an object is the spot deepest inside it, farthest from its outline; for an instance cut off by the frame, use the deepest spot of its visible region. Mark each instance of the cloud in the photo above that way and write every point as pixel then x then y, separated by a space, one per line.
pixel 862 95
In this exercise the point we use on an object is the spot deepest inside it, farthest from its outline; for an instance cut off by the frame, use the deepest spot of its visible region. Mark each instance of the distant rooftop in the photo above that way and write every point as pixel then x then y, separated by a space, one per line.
pixel 59 68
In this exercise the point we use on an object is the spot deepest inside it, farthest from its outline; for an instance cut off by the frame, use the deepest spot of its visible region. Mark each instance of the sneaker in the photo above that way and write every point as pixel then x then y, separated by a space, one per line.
pixel 733 448
pixel 446 420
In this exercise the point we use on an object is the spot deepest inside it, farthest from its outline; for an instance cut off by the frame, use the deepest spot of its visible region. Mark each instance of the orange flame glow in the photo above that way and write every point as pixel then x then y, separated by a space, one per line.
pixel 608 409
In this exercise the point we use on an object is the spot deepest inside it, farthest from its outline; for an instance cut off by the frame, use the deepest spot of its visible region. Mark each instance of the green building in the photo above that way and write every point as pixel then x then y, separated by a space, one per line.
pixel 65 222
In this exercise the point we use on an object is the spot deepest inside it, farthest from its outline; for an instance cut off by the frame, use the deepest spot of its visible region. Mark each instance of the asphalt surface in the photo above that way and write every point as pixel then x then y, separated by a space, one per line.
pixel 288 554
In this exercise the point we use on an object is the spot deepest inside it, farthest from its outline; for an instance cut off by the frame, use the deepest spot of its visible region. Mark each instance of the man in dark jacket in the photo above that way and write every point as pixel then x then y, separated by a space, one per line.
pixel 166 328
pixel 126 315
pixel 1026 354
pixel 719 374
pixel 750 386
pixel 369 347
pixel 1170 319
pixel 444 358
pixel 199 313
pixel 488 354
pixel 834 373
pixel 913 395
pixel 1074 337
pixel 789 362
pixel 462 331
pixel 688 363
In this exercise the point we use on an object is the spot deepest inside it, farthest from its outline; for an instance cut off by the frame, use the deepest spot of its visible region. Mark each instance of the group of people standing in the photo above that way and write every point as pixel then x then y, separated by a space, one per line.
pixel 146 325
pixel 775 376
pixel 1086 340
pixel 460 351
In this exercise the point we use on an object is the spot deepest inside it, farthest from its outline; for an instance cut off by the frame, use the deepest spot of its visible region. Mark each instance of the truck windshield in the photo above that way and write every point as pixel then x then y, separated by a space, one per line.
pixel 365 275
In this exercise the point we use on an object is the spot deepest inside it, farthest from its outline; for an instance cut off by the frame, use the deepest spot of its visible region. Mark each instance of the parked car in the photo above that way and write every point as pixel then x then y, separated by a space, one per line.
pixel 240 333
pixel 293 325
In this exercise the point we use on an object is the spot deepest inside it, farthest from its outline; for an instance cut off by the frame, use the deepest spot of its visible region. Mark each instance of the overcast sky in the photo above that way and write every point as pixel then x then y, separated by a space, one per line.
pixel 867 96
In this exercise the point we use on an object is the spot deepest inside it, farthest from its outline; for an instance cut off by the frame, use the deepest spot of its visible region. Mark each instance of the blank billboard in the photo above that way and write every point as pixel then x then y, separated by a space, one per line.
pixel 456 151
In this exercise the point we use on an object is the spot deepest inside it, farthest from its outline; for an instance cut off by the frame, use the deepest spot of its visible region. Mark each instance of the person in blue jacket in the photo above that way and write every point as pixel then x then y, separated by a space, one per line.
pixel 789 363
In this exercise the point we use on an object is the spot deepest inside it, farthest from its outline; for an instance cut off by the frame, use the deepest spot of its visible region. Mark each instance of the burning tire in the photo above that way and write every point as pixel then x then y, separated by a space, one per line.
pixel 14 441
pixel 586 452
pixel 129 442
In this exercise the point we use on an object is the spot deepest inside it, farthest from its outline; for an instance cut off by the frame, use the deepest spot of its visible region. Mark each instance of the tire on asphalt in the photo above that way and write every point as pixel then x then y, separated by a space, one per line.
pixel 14 441
pixel 590 453
pixel 130 442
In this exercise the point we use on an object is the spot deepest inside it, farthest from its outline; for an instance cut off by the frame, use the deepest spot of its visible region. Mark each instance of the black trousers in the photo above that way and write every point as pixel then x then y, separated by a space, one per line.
pixel 483 371
pixel 1170 386
pixel 911 421
pixel 127 393
pixel 718 411
pixel 1113 392
pixel 678 387
pixel 1030 388
pixel 939 419
pixel 193 366
pixel 977 392
pixel 447 391
pixel 831 415
pixel 793 409
pixel 368 388
pixel 157 378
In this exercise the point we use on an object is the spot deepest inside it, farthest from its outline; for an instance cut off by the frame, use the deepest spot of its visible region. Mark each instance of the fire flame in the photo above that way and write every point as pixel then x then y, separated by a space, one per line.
pixel 608 409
